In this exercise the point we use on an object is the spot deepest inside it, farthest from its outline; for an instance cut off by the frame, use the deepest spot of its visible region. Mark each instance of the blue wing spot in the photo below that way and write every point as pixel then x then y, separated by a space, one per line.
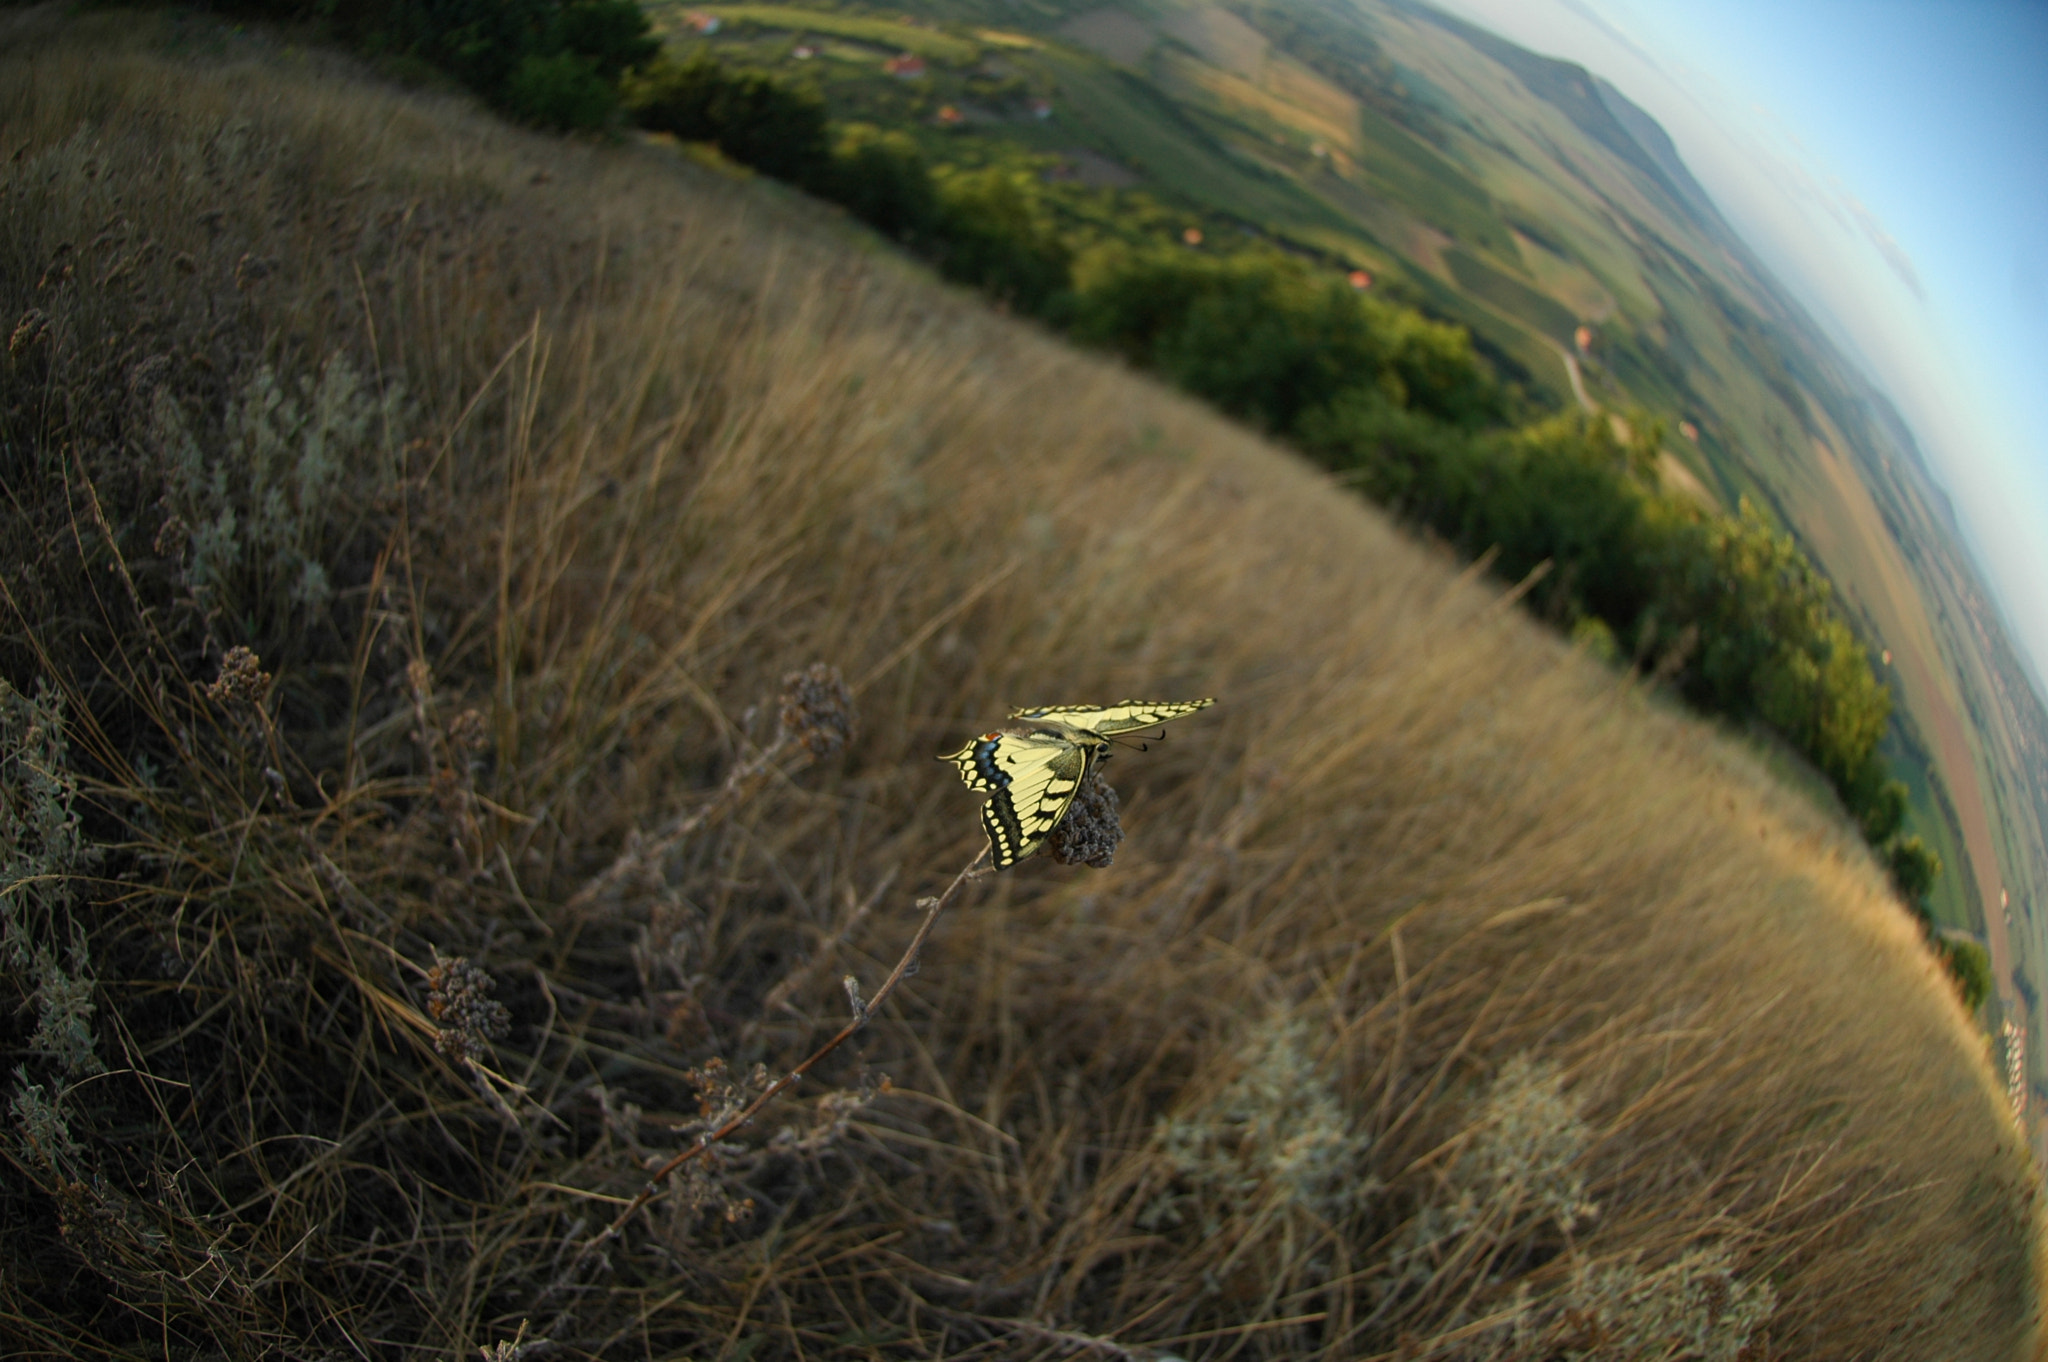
pixel 985 762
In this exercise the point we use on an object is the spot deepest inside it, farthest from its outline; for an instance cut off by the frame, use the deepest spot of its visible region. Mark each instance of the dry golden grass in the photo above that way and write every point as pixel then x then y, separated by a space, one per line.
pixel 1431 935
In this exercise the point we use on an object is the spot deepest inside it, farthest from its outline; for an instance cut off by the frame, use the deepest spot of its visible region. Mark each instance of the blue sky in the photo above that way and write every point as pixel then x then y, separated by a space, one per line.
pixel 1889 159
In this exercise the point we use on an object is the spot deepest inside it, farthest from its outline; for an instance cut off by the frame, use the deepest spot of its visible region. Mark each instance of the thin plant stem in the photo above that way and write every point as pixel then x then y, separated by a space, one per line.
pixel 744 780
pixel 862 1012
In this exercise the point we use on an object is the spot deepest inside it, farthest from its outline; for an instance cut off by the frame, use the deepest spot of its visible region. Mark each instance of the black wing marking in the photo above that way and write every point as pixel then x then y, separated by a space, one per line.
pixel 1122 717
pixel 1033 770
pixel 1043 773
pixel 976 763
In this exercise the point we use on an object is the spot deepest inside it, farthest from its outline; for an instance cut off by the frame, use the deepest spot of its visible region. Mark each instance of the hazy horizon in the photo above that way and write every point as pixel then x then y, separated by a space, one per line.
pixel 1878 157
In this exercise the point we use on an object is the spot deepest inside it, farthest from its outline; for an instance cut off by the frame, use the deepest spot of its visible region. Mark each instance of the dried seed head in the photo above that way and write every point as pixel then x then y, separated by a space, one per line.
pixel 242 680
pixel 27 332
pixel 251 268
pixel 1089 834
pixel 448 791
pixel 145 378
pixel 518 1350
pixel 817 710
pixel 457 1000
pixel 722 1095
pixel 173 538
pixel 469 732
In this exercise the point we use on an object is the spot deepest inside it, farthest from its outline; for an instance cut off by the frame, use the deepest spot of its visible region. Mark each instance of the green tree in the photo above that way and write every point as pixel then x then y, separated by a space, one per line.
pixel 1439 373
pixel 1878 803
pixel 560 90
pixel 1422 468
pixel 1772 644
pixel 1914 867
pixel 1569 490
pixel 552 62
pixel 996 234
pixel 1271 339
pixel 1969 965
pixel 777 129
pixel 882 179
pixel 613 35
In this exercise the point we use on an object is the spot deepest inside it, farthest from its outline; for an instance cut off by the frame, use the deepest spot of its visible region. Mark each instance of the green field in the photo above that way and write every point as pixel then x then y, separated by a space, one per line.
pixel 1930 818
pixel 881 32
pixel 1481 280
pixel 1401 166
pixel 1129 120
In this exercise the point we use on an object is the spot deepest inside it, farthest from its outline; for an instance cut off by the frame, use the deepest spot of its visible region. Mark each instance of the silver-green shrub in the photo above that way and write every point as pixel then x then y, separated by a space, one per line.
pixel 42 852
pixel 265 500
pixel 1276 1131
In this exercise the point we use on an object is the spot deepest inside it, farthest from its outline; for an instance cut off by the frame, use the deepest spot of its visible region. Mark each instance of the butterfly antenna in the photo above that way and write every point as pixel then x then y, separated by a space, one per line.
pixel 1145 746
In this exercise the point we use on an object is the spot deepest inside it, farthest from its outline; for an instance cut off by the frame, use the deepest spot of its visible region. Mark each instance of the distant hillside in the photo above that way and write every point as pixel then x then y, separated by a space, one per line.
pixel 1595 108
pixel 1649 134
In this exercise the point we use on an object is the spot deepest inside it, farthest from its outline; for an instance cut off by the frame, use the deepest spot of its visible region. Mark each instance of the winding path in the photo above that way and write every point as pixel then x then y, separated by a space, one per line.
pixel 1571 366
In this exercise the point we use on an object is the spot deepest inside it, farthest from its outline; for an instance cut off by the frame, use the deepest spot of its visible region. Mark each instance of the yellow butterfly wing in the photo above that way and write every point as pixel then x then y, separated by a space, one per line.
pixel 1031 778
pixel 976 763
pixel 1122 717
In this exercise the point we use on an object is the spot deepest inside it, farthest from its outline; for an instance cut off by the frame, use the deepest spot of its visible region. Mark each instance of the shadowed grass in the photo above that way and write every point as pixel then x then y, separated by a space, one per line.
pixel 1448 993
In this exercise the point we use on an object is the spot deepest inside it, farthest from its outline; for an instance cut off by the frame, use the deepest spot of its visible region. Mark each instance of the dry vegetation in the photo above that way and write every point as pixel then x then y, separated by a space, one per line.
pixel 1450 998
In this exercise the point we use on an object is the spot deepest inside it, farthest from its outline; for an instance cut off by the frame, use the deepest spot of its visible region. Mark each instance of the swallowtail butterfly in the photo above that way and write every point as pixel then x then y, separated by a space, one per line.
pixel 1033 765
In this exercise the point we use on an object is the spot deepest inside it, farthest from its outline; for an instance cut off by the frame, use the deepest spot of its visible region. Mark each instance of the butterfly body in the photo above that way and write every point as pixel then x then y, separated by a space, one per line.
pixel 1033 765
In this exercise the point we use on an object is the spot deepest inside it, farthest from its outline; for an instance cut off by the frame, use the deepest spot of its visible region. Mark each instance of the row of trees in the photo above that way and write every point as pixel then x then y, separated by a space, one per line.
pixel 1727 607
pixel 553 63
pixel 987 227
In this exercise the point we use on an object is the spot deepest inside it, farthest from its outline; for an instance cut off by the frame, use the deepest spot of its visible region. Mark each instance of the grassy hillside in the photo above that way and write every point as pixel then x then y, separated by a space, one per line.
pixel 1449 994
pixel 1522 197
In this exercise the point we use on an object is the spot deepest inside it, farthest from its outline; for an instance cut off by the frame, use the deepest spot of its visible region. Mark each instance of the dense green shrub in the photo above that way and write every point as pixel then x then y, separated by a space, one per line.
pixel 552 62
pixel 1772 645
pixel 753 118
pixel 1881 810
pixel 1914 867
pixel 1270 338
pixel 1423 468
pixel 612 34
pixel 1569 491
pixel 992 234
pixel 1262 338
pixel 560 90
pixel 1726 605
pixel 882 179
pixel 1969 964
